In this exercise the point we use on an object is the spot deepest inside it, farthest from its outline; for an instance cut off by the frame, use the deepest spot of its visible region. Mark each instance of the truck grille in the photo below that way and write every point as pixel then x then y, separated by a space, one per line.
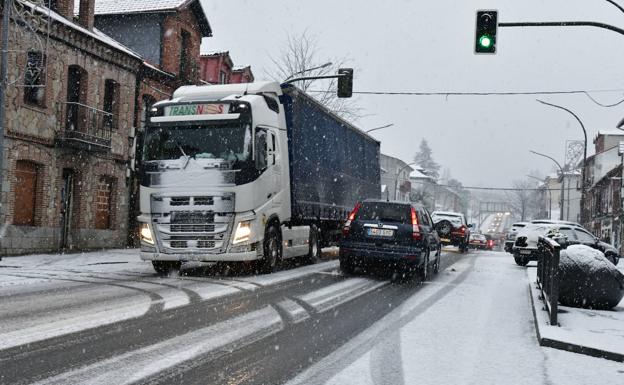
pixel 192 228
pixel 180 201
pixel 192 217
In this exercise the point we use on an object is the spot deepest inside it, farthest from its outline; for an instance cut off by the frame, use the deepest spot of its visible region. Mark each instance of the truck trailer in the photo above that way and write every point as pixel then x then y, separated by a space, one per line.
pixel 255 172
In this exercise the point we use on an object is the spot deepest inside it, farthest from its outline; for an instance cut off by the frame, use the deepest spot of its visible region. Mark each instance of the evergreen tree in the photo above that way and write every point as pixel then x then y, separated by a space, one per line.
pixel 424 158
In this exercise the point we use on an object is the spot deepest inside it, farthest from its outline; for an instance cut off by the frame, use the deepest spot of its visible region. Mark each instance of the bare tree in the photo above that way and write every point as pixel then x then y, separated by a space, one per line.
pixel 524 199
pixel 301 56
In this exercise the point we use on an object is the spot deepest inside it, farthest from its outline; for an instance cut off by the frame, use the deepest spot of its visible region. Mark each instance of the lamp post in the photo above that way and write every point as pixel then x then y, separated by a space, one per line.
pixel 584 156
pixel 396 181
pixel 549 196
pixel 562 181
pixel 379 128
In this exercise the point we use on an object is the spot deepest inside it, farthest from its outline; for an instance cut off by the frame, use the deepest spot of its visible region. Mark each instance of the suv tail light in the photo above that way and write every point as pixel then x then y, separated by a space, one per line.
pixel 462 229
pixel 415 227
pixel 347 225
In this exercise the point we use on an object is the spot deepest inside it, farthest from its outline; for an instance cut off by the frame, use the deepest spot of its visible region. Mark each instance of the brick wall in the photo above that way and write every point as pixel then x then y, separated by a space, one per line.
pixel 173 25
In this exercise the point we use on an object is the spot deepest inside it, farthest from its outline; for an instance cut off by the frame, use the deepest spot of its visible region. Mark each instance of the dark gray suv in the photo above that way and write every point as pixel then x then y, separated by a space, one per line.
pixel 394 235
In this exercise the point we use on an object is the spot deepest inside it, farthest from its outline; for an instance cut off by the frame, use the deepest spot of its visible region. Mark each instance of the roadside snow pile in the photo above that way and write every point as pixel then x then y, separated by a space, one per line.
pixel 587 279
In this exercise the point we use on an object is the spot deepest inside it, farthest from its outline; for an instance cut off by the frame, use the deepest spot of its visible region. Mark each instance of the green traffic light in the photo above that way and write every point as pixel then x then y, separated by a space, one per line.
pixel 485 41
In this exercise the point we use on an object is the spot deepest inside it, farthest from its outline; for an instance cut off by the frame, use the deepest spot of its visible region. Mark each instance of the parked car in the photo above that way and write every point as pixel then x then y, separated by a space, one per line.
pixel 510 238
pixel 452 228
pixel 525 247
pixel 477 241
pixel 396 235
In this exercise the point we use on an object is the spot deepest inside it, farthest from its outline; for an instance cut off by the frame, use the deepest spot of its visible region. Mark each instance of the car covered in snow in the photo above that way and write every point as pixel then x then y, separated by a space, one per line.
pixel 567 233
pixel 452 228
pixel 510 238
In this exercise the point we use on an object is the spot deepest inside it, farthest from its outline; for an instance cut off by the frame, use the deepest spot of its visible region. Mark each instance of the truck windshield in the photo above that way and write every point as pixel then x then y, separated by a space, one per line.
pixel 227 141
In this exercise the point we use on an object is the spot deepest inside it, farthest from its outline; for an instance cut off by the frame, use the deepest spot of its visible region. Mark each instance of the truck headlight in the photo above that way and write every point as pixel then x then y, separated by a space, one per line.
pixel 146 234
pixel 243 232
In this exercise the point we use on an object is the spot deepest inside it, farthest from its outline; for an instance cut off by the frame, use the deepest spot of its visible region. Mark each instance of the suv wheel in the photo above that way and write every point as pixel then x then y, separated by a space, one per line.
pixel 444 228
pixel 424 269
pixel 347 267
pixel 436 267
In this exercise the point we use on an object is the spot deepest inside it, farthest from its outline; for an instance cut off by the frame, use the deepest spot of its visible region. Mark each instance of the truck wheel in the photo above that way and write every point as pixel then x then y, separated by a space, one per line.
pixel 314 254
pixel 272 251
pixel 521 261
pixel 165 267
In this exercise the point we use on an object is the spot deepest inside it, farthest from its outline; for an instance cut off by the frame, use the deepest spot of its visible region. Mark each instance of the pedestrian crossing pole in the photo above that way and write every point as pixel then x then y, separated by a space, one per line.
pixel 6 17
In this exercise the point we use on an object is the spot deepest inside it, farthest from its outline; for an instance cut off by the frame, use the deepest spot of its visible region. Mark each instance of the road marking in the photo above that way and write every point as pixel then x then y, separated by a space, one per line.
pixel 289 275
pixel 67 323
pixel 140 364
pixel 295 312
pixel 334 295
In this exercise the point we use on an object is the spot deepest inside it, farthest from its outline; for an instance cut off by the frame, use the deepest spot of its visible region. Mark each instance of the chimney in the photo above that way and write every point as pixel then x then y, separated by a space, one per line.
pixel 64 8
pixel 86 14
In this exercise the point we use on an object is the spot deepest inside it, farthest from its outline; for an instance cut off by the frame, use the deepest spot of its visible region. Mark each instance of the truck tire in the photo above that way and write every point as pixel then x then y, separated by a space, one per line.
pixel 314 254
pixel 521 261
pixel 272 251
pixel 165 267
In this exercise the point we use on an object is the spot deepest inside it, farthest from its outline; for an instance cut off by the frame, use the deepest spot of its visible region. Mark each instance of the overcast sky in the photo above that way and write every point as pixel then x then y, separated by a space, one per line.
pixel 427 46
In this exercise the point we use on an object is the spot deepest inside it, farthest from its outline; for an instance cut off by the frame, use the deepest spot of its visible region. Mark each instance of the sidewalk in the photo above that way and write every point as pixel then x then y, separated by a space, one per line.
pixel 598 333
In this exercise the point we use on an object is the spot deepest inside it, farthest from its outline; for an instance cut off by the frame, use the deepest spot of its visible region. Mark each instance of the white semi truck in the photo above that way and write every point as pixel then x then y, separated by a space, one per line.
pixel 248 172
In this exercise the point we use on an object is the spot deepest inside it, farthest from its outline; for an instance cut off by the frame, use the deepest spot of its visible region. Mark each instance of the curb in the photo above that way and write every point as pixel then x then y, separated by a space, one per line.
pixel 568 346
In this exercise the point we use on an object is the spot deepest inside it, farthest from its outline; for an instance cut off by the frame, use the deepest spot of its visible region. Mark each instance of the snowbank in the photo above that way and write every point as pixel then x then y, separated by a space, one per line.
pixel 588 279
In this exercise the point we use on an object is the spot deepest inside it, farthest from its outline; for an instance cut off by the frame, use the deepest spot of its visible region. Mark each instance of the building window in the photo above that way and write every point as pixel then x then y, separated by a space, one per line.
pixel 25 193
pixel 34 78
pixel 185 55
pixel 111 103
pixel 75 118
pixel 104 203
pixel 146 104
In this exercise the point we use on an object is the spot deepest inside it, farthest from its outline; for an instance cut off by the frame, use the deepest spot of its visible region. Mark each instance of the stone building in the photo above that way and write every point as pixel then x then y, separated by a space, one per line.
pixel 70 109
pixel 218 68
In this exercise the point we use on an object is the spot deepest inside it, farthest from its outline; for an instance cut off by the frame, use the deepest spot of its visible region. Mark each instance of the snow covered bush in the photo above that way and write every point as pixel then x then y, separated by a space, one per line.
pixel 588 279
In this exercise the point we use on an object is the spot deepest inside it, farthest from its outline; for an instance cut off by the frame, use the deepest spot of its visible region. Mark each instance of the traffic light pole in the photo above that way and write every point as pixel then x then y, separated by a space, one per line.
pixel 564 24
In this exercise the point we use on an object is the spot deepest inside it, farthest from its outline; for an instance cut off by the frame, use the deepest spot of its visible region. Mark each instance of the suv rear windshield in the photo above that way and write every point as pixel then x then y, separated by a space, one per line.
pixel 385 212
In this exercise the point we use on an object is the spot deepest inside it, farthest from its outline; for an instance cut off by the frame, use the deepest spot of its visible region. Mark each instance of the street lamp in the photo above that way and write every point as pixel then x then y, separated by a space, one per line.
pixel 311 69
pixel 396 181
pixel 584 156
pixel 379 128
pixel 562 181
pixel 549 195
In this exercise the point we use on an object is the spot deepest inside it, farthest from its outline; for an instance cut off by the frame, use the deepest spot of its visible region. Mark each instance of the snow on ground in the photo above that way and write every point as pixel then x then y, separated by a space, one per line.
pixel 598 329
pixel 472 324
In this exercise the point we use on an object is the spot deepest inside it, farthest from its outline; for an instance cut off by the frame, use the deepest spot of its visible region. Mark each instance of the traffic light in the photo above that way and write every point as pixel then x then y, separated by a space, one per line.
pixel 485 39
pixel 345 82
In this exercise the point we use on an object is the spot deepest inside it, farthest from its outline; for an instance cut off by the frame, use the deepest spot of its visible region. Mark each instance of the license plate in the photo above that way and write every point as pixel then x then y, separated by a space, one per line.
pixel 525 252
pixel 380 232
pixel 445 240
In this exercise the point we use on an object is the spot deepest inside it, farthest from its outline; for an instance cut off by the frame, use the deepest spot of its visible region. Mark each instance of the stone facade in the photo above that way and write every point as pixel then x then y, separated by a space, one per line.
pixel 35 135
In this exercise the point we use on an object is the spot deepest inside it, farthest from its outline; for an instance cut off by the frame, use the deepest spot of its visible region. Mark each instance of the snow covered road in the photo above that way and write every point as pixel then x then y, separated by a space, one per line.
pixel 107 318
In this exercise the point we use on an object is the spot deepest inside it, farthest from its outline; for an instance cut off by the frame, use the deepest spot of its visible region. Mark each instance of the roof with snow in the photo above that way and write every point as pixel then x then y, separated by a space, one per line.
pixel 416 174
pixel 118 7
pixel 96 33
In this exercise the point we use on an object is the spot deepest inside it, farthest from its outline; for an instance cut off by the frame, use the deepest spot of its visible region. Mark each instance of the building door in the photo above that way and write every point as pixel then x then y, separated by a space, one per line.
pixel 67 193
pixel 25 193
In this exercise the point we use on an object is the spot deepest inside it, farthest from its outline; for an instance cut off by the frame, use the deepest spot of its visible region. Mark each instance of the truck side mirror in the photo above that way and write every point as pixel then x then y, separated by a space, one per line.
pixel 345 82
pixel 261 150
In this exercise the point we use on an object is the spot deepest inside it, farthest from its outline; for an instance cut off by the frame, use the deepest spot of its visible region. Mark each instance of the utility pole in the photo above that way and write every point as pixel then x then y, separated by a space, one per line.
pixel 4 52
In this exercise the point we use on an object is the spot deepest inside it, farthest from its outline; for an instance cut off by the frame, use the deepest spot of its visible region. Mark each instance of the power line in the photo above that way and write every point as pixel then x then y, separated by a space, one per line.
pixel 460 93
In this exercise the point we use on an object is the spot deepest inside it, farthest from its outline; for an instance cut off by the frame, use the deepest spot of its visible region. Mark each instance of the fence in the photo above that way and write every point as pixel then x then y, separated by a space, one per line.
pixel 547 275
pixel 86 124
